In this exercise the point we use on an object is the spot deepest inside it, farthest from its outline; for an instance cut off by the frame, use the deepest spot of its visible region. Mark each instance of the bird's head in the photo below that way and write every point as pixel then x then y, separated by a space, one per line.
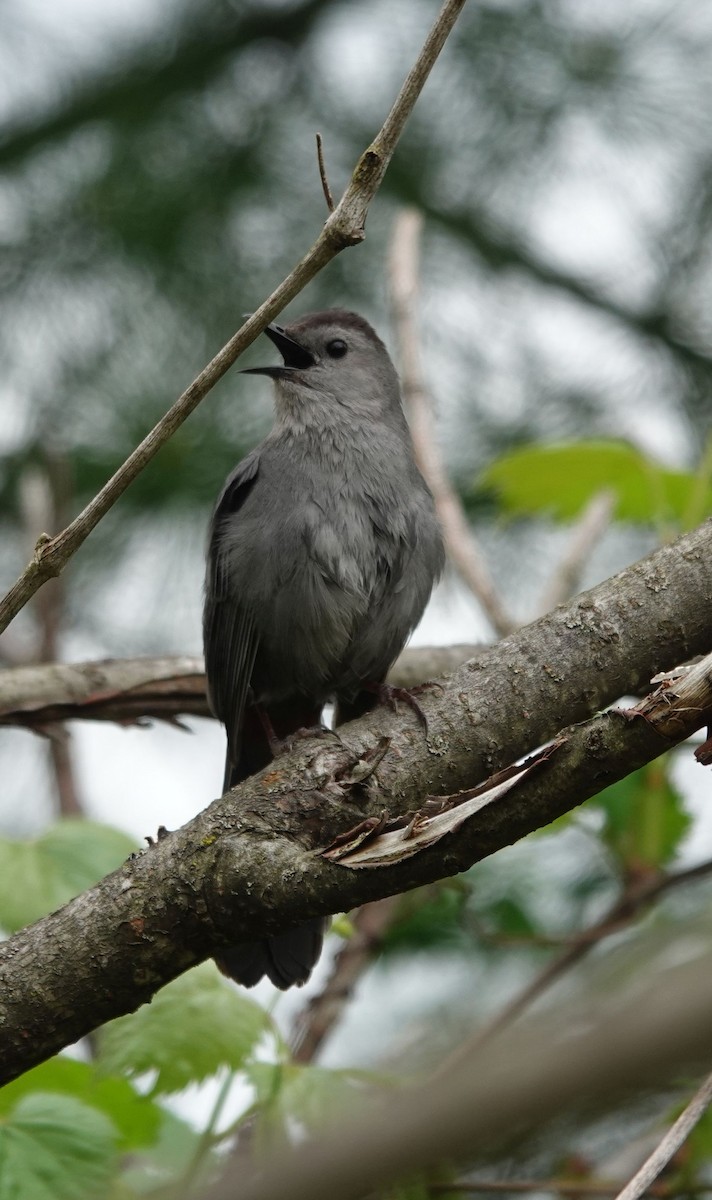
pixel 333 362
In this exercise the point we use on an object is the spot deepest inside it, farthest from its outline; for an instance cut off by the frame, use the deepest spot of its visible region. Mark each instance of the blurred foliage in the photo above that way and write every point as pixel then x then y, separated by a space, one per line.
pixel 55 1148
pixel 640 825
pixel 644 821
pixel 561 480
pixel 195 1026
pixel 40 874
pixel 136 1118
pixel 155 183
pixel 427 918
pixel 289 1097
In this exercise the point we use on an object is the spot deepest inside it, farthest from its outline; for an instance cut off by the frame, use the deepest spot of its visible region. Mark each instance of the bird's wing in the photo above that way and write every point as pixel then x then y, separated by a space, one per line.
pixel 229 632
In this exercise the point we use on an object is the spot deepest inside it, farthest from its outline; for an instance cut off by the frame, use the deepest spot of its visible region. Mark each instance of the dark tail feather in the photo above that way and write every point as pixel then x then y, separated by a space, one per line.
pixel 254 751
pixel 286 959
pixel 290 957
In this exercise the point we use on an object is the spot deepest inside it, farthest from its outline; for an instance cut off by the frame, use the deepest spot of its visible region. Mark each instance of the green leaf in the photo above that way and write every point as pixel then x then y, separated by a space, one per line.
pixel 166 1161
pixel 429 917
pixel 416 1188
pixel 560 480
pixel 54 1147
pixel 41 874
pixel 343 926
pixel 194 1026
pixel 644 818
pixel 508 916
pixel 136 1117
pixel 287 1095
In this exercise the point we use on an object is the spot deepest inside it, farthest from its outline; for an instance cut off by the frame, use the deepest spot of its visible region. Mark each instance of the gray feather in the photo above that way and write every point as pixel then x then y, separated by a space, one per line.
pixel 323 551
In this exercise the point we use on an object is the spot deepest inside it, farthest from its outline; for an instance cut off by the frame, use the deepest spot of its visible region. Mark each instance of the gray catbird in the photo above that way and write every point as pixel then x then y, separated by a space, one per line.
pixel 323 551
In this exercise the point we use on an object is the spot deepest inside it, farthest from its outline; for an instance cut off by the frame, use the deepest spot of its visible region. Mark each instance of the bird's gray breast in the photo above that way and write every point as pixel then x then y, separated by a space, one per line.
pixel 324 555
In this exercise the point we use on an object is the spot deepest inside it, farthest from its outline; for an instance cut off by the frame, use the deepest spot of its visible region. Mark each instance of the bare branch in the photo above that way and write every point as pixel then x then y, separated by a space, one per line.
pixel 344 227
pixel 588 531
pixel 670 1144
pixel 111 948
pixel 139 689
pixel 462 546
pixel 563 1187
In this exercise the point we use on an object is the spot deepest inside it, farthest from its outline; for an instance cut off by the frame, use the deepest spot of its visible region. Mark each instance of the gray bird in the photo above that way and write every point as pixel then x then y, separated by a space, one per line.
pixel 323 550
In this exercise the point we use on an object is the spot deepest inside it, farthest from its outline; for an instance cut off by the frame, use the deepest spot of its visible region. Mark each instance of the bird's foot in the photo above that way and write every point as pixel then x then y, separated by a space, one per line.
pixel 388 694
pixel 280 745
pixel 161 833
pixel 299 735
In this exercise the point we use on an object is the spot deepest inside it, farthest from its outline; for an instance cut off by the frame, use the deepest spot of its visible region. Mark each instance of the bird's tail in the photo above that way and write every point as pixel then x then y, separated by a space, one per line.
pixel 290 957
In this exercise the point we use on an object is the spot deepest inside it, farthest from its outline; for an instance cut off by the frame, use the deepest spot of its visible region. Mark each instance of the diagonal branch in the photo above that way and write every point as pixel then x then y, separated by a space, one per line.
pixel 675 1137
pixel 252 863
pixel 344 227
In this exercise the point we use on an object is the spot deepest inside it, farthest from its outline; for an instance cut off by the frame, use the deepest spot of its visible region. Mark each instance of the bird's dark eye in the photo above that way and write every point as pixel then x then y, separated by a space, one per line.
pixel 336 349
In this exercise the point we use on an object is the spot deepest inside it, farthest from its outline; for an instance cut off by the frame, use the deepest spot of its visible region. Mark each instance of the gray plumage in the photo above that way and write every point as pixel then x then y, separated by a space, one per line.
pixel 323 551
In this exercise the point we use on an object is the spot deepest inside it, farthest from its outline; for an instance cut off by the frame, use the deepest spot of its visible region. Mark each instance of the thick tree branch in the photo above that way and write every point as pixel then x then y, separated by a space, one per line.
pixel 344 227
pixel 135 689
pixel 251 864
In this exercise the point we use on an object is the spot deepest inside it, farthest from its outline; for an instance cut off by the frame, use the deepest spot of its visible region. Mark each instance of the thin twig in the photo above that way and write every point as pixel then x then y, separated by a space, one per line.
pixel 670 1144
pixel 562 1187
pixel 636 897
pixel 588 531
pixel 322 173
pixel 462 546
pixel 344 227
pixel 323 1011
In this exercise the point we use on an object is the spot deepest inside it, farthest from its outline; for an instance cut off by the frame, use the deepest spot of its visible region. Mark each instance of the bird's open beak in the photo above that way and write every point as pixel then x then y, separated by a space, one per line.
pixel 295 356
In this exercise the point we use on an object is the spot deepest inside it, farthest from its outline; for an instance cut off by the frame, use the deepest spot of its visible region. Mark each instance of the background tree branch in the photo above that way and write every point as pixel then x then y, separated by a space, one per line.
pixel 568 1063
pixel 133 689
pixel 247 865
pixel 462 547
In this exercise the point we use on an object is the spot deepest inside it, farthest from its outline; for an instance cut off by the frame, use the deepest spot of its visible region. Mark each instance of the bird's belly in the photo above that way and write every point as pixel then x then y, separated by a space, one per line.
pixel 320 640
pixel 305 632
